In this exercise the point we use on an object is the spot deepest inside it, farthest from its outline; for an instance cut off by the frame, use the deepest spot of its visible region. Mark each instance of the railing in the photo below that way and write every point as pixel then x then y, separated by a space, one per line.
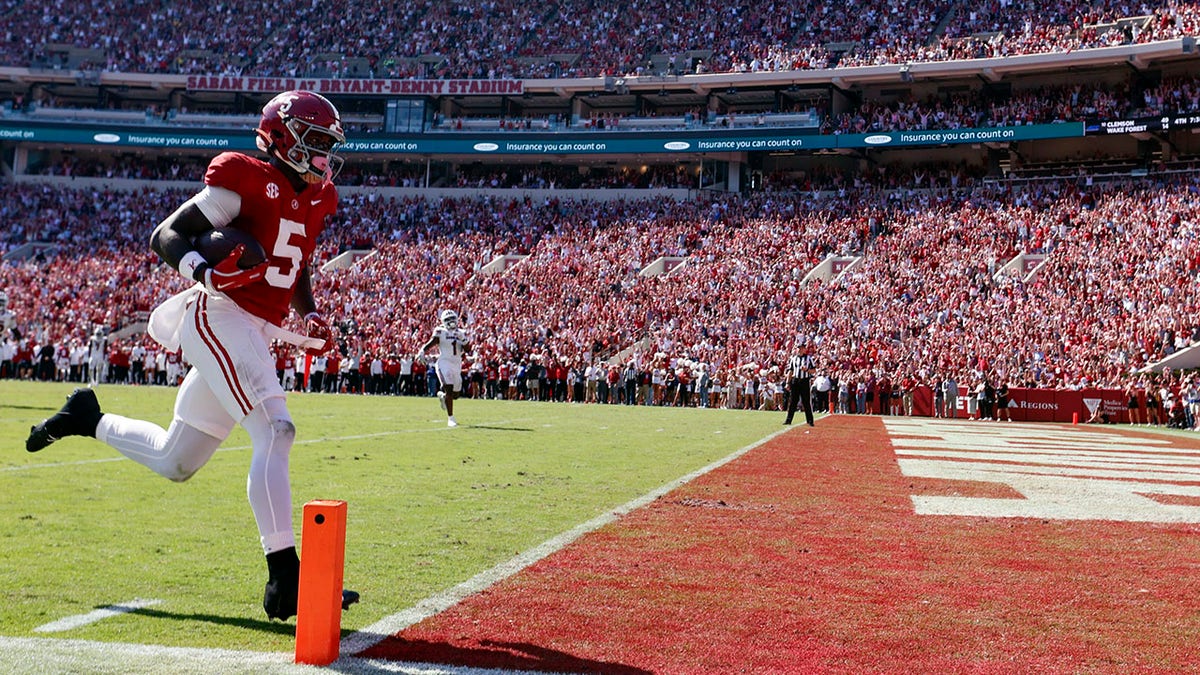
pixel 374 123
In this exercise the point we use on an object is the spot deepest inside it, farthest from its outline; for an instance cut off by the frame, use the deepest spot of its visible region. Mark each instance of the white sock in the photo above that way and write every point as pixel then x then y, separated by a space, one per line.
pixel 268 485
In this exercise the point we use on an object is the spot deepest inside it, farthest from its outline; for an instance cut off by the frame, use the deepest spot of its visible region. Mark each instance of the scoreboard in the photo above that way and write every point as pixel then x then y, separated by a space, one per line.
pixel 1135 125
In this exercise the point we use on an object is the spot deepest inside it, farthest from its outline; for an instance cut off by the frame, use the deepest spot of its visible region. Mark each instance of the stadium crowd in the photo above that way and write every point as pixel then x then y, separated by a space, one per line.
pixel 576 38
pixel 1067 103
pixel 932 294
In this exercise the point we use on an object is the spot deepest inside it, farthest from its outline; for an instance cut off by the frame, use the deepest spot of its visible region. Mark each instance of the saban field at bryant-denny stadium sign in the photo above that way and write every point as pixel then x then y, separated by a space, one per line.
pixel 357 86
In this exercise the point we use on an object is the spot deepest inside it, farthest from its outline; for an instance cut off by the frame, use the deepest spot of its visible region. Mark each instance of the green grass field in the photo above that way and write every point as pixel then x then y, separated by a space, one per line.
pixel 429 507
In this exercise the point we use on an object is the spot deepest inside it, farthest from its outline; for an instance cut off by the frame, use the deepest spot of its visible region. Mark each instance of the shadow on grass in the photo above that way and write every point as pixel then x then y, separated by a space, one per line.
pixel 493 654
pixel 28 407
pixel 484 426
pixel 264 625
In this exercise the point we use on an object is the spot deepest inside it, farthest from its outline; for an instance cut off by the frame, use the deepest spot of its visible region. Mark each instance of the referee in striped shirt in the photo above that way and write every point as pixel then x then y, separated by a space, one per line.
pixel 799 372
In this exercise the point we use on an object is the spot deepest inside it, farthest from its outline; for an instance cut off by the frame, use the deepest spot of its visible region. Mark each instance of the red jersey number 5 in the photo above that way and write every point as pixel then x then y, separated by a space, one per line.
pixel 284 249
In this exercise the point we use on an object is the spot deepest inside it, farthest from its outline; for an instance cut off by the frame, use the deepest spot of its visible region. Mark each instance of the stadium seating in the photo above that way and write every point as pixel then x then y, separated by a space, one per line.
pixel 930 294
pixel 931 290
pixel 577 38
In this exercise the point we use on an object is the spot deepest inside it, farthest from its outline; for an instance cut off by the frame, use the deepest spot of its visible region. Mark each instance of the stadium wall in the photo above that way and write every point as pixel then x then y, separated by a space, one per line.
pixel 1063 406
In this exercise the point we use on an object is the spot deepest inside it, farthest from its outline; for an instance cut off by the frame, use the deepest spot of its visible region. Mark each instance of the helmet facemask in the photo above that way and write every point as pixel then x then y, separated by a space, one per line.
pixel 314 153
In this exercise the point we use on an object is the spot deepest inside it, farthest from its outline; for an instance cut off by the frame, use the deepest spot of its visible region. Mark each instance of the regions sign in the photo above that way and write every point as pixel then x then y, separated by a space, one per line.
pixel 1038 405
pixel 366 87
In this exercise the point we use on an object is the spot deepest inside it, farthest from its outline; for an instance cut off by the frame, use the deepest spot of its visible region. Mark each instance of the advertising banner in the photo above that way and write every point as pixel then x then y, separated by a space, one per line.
pixel 1112 403
pixel 1032 132
pixel 525 143
pixel 357 86
pixel 1036 405
pixel 150 137
pixel 923 401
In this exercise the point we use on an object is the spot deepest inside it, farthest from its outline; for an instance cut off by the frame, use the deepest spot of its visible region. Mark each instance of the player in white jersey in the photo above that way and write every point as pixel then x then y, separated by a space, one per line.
pixel 97 356
pixel 78 358
pixel 453 344
pixel 8 320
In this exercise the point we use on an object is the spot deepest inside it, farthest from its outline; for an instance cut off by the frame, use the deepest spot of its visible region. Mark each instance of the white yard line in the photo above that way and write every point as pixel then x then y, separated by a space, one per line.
pixel 80 620
pixel 37 656
pixel 311 441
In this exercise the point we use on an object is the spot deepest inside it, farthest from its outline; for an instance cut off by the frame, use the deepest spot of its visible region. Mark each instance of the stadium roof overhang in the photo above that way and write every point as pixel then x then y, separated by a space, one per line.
pixel 1184 359
pixel 992 69
pixel 1138 56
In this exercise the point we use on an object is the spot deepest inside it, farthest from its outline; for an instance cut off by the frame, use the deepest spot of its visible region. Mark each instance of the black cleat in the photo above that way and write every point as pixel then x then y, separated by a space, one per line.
pixel 283 584
pixel 78 417
pixel 280 597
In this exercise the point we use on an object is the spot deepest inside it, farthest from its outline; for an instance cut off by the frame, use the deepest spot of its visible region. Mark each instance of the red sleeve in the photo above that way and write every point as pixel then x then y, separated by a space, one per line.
pixel 229 170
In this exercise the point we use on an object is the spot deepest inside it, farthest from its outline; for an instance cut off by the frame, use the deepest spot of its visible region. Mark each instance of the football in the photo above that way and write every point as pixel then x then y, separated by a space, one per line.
pixel 217 243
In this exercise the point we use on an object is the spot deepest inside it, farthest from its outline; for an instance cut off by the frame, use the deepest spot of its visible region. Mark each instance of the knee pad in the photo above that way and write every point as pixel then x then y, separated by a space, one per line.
pixel 284 431
pixel 270 427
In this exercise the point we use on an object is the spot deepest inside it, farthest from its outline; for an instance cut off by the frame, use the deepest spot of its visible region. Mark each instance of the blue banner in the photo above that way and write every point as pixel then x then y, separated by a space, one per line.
pixel 1032 132
pixel 584 144
pixel 549 144
pixel 123 137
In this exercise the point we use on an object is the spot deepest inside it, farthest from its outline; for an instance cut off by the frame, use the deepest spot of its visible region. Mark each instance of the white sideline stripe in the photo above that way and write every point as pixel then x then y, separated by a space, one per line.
pixel 93 616
pixel 38 656
pixel 311 441
pixel 390 625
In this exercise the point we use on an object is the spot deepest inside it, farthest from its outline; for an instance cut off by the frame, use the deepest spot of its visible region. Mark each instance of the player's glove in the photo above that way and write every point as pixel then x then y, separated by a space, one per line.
pixel 317 327
pixel 283 584
pixel 225 275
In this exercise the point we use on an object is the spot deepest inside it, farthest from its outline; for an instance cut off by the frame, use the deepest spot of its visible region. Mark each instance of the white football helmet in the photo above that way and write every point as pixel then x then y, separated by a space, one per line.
pixel 3 301
pixel 450 319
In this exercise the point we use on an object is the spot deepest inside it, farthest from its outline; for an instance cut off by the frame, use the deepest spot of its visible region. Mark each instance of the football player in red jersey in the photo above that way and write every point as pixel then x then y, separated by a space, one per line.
pixel 226 322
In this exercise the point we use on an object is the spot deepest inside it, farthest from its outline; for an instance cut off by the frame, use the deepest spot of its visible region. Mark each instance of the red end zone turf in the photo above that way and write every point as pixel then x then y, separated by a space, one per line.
pixel 807 555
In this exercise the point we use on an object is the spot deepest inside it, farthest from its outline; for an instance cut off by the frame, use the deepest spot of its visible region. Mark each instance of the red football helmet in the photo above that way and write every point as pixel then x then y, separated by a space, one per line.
pixel 304 130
